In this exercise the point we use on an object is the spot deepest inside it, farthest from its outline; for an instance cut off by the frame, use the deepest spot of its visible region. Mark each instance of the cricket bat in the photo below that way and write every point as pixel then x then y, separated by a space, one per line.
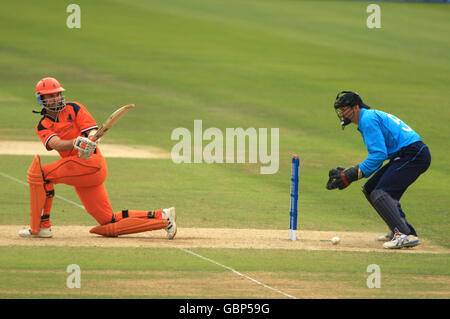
pixel 111 120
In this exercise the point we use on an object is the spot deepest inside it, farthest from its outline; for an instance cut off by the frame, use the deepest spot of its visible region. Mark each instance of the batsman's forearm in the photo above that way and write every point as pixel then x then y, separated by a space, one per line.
pixel 60 145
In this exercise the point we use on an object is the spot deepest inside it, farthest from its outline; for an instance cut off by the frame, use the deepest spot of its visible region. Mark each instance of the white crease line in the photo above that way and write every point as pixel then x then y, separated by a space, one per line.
pixel 13 178
pixel 237 273
pixel 57 196
pixel 183 249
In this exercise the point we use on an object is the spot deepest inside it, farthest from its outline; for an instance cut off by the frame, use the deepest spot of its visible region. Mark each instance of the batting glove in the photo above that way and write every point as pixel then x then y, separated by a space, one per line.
pixel 85 147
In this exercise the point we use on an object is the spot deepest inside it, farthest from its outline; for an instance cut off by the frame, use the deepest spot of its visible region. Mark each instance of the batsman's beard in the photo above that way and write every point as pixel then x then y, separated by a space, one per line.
pixel 60 104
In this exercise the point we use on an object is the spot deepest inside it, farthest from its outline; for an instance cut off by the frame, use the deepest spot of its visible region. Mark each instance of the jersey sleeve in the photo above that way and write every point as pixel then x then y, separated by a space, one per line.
pixel 375 144
pixel 84 119
pixel 45 134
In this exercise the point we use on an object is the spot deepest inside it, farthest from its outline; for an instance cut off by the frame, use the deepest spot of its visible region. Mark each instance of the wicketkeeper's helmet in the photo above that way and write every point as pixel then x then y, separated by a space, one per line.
pixel 348 98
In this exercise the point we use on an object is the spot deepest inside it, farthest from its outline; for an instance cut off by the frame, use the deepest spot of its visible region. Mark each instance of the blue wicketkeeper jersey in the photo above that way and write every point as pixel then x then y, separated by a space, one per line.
pixel 384 135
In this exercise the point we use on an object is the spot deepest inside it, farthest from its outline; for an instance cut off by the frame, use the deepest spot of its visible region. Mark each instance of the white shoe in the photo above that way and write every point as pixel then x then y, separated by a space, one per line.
pixel 386 237
pixel 401 240
pixel 171 216
pixel 43 233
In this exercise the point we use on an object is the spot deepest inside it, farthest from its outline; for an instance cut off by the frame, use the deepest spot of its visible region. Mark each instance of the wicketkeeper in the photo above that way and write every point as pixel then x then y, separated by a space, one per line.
pixel 385 137
pixel 67 127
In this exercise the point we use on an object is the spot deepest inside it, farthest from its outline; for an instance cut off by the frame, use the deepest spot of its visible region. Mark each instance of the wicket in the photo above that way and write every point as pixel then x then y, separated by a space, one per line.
pixel 294 198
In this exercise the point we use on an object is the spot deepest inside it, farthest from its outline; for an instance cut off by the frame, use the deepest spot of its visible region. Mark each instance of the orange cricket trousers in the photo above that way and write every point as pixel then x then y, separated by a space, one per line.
pixel 88 177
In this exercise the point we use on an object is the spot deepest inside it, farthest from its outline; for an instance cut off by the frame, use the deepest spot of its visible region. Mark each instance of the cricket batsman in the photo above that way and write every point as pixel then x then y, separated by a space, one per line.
pixel 68 128
pixel 385 137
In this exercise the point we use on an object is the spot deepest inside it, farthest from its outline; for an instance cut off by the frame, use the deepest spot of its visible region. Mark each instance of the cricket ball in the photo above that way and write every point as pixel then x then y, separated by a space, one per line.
pixel 335 240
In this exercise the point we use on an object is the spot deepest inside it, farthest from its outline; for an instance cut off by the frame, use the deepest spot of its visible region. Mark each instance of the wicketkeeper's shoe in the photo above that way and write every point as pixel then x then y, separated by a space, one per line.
pixel 386 237
pixel 401 240
pixel 170 215
pixel 43 233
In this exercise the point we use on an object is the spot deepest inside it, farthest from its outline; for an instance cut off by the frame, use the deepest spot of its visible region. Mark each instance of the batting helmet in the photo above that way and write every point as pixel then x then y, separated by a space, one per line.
pixel 49 86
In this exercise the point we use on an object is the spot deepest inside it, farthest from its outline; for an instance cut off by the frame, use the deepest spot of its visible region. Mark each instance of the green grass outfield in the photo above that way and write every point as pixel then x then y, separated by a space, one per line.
pixel 261 64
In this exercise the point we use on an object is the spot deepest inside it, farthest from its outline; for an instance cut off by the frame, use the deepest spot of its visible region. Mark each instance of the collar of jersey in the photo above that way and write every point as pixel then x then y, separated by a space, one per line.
pixel 51 118
pixel 361 114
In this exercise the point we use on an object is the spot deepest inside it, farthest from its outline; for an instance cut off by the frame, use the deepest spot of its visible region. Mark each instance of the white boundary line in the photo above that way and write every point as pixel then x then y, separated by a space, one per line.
pixel 182 249
pixel 57 196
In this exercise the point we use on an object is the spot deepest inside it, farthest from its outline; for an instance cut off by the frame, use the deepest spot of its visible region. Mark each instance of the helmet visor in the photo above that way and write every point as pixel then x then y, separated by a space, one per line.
pixel 52 103
pixel 344 121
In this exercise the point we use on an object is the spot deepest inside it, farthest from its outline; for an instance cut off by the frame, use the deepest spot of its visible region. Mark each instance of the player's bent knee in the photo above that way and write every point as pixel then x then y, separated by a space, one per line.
pixel 366 193
pixel 378 194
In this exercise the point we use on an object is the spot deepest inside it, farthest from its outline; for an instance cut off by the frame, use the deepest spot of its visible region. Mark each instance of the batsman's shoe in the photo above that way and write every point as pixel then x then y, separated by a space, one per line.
pixel 171 216
pixel 43 233
pixel 386 237
pixel 401 240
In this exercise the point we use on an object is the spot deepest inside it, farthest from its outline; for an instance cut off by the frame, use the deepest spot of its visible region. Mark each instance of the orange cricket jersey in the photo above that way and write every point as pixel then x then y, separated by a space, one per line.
pixel 71 122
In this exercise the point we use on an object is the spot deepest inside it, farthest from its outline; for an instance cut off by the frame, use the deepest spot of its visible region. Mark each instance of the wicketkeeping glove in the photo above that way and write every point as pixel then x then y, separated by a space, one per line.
pixel 340 177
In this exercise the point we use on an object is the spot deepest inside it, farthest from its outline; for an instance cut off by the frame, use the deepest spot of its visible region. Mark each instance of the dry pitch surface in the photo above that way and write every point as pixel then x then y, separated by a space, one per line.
pixel 213 238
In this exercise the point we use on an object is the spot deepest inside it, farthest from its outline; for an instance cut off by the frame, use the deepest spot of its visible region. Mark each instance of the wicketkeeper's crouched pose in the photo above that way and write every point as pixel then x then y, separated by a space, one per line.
pixel 385 137
pixel 67 127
